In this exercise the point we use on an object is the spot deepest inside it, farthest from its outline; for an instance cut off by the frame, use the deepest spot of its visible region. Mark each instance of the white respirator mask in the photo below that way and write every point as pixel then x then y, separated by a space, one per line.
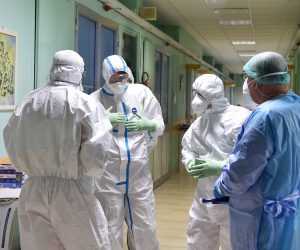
pixel 199 106
pixel 118 88
pixel 118 84
pixel 246 93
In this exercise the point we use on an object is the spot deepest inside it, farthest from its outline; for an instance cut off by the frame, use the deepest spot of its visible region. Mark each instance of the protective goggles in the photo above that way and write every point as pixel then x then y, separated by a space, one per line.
pixel 123 77
pixel 244 75
pixel 195 92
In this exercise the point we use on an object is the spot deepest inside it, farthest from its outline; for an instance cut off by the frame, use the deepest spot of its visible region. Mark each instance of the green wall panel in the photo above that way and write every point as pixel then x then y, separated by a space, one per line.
pixel 56 31
pixel 18 16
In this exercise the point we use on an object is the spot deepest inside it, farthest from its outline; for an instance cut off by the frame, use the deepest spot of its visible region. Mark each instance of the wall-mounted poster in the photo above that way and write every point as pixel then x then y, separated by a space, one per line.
pixel 8 46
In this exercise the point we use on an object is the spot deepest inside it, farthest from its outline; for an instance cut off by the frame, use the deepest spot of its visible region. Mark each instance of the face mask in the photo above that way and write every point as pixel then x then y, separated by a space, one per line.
pixel 118 88
pixel 246 93
pixel 199 106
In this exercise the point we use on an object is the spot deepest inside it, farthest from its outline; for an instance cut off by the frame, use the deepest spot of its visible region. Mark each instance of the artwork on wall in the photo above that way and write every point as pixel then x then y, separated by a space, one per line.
pixel 8 46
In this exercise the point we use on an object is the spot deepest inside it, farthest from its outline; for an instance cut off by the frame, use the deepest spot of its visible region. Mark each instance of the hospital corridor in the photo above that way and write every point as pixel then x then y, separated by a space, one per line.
pixel 149 125
pixel 173 199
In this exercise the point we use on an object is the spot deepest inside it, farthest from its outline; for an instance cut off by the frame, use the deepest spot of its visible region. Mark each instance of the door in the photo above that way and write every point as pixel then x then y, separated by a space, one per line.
pixel 95 43
pixel 87 48
pixel 129 53
pixel 108 46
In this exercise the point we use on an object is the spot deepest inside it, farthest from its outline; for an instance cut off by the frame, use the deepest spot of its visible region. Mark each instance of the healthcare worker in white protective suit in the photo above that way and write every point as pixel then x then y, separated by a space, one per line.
pixel 126 190
pixel 60 137
pixel 211 137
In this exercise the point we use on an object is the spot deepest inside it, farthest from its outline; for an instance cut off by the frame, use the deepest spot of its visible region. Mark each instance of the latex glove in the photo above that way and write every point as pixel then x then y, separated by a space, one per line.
pixel 200 168
pixel 143 123
pixel 115 117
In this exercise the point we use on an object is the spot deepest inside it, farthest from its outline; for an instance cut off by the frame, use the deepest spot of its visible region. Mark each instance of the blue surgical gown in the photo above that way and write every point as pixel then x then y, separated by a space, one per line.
pixel 262 178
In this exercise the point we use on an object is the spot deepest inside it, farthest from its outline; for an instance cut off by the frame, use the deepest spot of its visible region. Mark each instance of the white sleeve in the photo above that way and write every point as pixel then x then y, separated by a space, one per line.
pixel 96 141
pixel 9 137
pixel 152 111
pixel 233 126
pixel 187 151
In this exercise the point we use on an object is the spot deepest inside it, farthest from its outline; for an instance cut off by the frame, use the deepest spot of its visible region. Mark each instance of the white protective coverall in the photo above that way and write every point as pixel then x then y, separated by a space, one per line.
pixel 59 137
pixel 211 136
pixel 126 189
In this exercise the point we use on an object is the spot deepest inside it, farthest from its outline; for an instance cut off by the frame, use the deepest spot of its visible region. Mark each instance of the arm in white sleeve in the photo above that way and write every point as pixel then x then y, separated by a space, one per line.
pixel 96 141
pixel 246 163
pixel 187 151
pixel 152 141
pixel 9 137
pixel 152 111
pixel 232 126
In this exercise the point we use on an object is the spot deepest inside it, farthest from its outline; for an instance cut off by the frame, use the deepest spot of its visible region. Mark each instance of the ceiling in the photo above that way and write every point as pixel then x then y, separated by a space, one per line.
pixel 270 25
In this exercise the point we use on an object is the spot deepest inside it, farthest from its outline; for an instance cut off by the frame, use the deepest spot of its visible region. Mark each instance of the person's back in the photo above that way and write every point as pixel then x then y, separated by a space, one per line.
pixel 49 123
pixel 52 137
pixel 262 176
pixel 284 167
pixel 277 120
pixel 211 137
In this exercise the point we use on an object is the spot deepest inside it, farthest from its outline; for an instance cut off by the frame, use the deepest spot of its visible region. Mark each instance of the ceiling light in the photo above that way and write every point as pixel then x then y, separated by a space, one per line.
pixel 243 42
pixel 246 54
pixel 231 11
pixel 235 22
pixel 214 1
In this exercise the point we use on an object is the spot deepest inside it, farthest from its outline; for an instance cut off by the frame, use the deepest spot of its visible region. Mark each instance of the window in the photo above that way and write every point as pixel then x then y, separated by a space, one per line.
pixel 162 82
pixel 94 43
pixel 87 48
pixel 129 52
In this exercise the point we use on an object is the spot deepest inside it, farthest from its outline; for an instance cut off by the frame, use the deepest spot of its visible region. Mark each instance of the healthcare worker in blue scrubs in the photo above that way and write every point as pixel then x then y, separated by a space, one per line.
pixel 126 189
pixel 262 176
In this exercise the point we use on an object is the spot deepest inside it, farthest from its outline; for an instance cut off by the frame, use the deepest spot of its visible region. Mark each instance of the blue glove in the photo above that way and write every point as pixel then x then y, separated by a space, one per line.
pixel 143 123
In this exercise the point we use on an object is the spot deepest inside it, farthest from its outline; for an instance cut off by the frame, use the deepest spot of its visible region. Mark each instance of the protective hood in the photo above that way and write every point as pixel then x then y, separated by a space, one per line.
pixel 130 75
pixel 67 67
pixel 111 65
pixel 211 88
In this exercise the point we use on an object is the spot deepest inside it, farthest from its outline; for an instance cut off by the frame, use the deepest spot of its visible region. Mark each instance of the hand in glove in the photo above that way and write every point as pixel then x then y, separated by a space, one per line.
pixel 143 123
pixel 200 168
pixel 115 117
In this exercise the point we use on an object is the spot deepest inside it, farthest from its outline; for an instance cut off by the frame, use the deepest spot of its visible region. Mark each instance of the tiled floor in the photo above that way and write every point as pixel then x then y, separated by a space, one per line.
pixel 173 200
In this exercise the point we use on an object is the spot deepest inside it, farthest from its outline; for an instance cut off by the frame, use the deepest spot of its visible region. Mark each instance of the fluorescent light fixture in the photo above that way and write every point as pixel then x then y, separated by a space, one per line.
pixel 231 11
pixel 214 1
pixel 235 22
pixel 246 54
pixel 243 42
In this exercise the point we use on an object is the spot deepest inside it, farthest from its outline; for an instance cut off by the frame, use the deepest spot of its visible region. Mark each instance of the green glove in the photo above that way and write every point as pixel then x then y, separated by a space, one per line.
pixel 200 168
pixel 143 123
pixel 115 117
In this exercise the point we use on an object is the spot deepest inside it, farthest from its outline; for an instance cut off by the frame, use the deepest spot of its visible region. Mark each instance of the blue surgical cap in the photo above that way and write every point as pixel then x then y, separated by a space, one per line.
pixel 268 68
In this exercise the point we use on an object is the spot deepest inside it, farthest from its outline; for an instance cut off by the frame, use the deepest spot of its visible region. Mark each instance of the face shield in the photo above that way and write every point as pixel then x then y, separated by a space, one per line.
pixel 118 82
pixel 121 77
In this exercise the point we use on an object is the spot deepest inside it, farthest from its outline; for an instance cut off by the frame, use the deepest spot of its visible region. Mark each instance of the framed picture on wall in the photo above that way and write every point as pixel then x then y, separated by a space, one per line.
pixel 8 62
